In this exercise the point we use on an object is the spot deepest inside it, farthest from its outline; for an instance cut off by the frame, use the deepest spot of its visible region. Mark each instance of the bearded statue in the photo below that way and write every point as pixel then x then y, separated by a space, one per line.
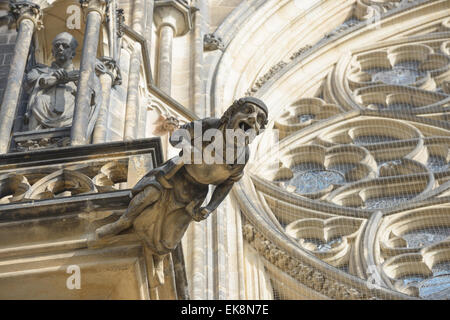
pixel 167 199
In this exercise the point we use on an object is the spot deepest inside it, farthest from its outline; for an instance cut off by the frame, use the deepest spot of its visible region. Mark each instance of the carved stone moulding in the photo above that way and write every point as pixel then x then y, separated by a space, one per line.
pixel 43 139
pixel 12 187
pixel 329 179
pixel 74 171
pixel 365 9
pixel 55 230
pixel 306 280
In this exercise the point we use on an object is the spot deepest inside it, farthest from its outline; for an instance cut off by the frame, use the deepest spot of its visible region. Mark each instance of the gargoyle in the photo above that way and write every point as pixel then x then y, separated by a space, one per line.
pixel 167 199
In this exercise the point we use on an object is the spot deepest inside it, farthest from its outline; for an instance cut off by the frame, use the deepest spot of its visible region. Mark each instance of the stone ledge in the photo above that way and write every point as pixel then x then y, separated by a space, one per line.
pixel 34 209
pixel 80 153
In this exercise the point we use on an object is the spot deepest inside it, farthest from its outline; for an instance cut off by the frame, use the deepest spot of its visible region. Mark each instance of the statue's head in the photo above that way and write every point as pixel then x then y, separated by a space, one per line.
pixel 64 47
pixel 247 113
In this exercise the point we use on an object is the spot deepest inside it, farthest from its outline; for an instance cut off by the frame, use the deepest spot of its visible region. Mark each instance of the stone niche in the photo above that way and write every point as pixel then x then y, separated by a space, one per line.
pixel 57 17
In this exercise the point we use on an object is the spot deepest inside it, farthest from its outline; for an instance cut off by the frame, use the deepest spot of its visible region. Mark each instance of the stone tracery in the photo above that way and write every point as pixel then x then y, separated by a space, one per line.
pixel 389 159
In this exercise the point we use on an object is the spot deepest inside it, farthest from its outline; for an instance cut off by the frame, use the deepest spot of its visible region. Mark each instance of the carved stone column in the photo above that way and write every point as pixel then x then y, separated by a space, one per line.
pixel 107 80
pixel 132 111
pixel 28 18
pixel 173 19
pixel 138 22
pixel 149 23
pixel 95 13
pixel 165 59
pixel 111 18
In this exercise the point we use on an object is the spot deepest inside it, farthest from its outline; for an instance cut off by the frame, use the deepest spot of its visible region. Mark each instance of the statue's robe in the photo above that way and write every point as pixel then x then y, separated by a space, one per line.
pixel 164 223
pixel 50 107
pixel 53 107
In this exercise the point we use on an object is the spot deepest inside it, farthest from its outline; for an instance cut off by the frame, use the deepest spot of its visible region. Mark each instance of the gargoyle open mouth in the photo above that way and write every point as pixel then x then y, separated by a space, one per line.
pixel 244 126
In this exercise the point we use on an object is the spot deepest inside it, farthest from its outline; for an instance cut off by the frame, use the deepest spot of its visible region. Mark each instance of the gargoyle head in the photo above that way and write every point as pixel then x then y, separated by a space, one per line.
pixel 247 114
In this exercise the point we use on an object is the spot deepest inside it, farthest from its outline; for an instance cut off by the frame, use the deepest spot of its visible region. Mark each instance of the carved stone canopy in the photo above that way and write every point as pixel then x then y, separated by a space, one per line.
pixel 176 14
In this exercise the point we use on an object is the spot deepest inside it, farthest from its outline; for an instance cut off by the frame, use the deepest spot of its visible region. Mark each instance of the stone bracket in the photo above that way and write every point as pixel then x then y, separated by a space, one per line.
pixel 212 42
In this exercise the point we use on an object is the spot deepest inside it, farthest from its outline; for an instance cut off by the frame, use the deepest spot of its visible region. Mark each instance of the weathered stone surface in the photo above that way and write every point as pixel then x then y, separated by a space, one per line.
pixel 82 127
pixel 28 18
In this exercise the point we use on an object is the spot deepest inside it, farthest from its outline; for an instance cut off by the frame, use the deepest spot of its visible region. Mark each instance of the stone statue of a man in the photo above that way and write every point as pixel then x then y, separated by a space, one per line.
pixel 167 199
pixel 53 88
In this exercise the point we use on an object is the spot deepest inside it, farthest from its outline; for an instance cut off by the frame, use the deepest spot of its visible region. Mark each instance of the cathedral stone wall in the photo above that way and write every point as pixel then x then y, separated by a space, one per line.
pixel 347 192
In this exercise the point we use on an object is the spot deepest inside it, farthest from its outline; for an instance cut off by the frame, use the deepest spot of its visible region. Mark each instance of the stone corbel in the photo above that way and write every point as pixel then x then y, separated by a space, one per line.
pixel 211 42
pixel 21 10
pixel 171 123
pixel 166 124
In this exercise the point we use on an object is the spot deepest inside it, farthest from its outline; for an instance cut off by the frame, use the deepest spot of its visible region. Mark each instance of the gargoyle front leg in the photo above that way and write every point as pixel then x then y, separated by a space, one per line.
pixel 139 203
pixel 219 194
